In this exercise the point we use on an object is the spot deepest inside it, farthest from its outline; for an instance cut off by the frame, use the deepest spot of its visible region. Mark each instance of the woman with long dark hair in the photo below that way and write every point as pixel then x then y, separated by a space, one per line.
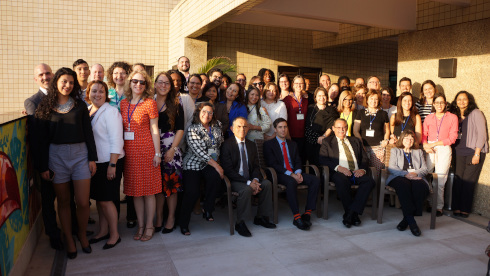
pixel 234 104
pixel 471 148
pixel 284 84
pixel 258 120
pixel 406 118
pixel 68 152
pixel 427 92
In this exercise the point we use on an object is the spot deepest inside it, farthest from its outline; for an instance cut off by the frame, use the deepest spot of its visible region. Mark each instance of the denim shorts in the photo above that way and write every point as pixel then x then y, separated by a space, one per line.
pixel 69 162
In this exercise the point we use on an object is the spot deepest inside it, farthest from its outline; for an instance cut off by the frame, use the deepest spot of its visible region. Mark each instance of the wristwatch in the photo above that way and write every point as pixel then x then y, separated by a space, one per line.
pixel 158 155
pixel 113 165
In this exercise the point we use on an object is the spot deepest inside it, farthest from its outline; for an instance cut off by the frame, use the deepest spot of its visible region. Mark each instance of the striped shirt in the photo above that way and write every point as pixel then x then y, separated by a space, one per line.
pixel 424 110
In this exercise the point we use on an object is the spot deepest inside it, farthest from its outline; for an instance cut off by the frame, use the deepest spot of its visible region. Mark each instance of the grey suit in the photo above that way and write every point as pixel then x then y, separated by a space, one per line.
pixel 397 160
pixel 31 103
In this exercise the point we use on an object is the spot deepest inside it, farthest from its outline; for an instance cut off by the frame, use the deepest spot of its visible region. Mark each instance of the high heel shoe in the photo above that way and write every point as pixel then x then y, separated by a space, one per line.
pixel 207 215
pixel 71 255
pixel 87 249
pixel 148 237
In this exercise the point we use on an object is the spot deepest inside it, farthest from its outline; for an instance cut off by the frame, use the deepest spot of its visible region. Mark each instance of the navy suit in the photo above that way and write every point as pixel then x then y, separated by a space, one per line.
pixel 329 156
pixel 274 158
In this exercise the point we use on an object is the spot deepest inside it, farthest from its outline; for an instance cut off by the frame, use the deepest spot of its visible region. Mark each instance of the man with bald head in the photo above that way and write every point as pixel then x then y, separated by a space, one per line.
pixel 97 72
pixel 42 76
pixel 325 81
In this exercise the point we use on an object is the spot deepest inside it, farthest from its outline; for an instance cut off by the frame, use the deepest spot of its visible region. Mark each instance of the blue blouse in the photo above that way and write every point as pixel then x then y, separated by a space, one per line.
pixel 236 110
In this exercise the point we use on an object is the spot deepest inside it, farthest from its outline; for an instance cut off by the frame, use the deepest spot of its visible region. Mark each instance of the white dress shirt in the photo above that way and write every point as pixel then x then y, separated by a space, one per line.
pixel 343 157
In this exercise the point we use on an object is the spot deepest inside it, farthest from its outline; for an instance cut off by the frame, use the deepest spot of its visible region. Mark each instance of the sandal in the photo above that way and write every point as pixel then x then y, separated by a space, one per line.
pixel 148 237
pixel 138 235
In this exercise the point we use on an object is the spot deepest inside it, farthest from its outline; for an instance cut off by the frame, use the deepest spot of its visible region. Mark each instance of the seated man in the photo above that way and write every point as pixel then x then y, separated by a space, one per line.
pixel 241 165
pixel 282 155
pixel 348 165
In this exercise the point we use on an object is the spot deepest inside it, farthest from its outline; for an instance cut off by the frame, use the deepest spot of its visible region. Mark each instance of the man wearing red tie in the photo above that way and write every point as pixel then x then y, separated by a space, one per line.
pixel 282 155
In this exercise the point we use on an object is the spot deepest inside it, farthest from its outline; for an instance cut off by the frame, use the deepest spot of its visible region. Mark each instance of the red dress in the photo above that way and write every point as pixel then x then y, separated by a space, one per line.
pixel 141 178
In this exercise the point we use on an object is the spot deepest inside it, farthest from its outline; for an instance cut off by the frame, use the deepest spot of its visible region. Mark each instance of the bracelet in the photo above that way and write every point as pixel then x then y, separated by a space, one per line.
pixel 175 148
pixel 158 155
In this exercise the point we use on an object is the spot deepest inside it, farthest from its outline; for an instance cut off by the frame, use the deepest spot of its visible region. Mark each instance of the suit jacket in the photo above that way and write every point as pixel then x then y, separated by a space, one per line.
pixel 275 159
pixel 107 127
pixel 397 160
pixel 329 153
pixel 230 160
pixel 31 103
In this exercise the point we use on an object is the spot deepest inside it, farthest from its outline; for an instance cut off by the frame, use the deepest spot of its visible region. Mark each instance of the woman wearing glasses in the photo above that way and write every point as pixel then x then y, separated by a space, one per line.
pixel 297 107
pixel 347 110
pixel 204 138
pixel 440 131
pixel 284 84
pixel 142 176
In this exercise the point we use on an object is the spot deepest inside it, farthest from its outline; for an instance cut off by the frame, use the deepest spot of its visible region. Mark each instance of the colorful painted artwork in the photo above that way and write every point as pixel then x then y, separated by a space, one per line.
pixel 14 193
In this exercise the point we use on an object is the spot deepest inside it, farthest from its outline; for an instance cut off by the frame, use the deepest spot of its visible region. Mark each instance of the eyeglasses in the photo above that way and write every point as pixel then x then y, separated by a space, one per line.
pixel 376 82
pixel 135 81
pixel 439 103
pixel 350 100
pixel 209 113
pixel 163 83
pixel 241 80
pixel 259 83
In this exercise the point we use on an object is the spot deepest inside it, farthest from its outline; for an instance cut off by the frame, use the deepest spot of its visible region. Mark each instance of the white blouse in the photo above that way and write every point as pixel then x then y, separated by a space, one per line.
pixel 253 119
pixel 275 110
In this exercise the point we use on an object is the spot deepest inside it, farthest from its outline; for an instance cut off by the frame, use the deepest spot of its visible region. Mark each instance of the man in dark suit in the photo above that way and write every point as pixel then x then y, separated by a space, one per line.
pixel 348 165
pixel 42 76
pixel 241 165
pixel 282 155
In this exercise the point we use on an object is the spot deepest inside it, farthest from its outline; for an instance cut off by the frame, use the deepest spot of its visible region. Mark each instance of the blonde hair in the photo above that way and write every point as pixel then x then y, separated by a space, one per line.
pixel 149 91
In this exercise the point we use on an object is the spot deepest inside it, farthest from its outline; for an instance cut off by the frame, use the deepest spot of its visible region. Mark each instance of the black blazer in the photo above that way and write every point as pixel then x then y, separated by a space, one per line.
pixel 230 160
pixel 275 159
pixel 31 103
pixel 329 153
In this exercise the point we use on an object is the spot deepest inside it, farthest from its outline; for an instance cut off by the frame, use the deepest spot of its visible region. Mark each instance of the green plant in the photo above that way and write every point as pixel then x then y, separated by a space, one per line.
pixel 225 64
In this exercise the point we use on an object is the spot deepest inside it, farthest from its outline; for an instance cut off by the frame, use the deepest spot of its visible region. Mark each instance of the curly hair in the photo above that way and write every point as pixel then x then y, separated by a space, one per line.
pixel 148 93
pixel 49 102
pixel 453 108
pixel 197 112
pixel 257 104
pixel 89 88
pixel 118 64
pixel 171 101
pixel 263 71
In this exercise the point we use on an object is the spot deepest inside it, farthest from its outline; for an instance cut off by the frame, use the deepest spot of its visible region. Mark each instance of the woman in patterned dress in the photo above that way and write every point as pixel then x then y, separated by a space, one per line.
pixel 259 121
pixel 142 176
pixel 171 125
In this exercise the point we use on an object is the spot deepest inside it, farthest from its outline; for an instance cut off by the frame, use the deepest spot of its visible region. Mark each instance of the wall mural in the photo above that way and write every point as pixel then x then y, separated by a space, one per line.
pixel 18 203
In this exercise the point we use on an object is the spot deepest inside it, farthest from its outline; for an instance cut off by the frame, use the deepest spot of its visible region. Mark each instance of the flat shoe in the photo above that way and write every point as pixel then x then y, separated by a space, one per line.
pixel 71 255
pixel 414 228
pixel 166 230
pixel 96 240
pixel 439 213
pixel 402 226
pixel 464 215
pixel 109 246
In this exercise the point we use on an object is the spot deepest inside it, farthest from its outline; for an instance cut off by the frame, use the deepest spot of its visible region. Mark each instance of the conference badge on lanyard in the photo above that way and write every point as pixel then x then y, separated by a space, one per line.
pixel 129 135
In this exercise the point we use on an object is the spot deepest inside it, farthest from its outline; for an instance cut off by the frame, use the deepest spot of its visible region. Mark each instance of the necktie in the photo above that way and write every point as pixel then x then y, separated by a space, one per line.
pixel 246 173
pixel 286 159
pixel 348 154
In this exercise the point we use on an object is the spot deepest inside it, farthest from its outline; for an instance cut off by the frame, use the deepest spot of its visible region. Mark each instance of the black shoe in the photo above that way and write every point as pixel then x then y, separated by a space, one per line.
pixel 414 228
pixel 89 233
pixel 131 224
pixel 96 240
pixel 185 231
pixel 356 221
pixel 87 249
pixel 158 228
pixel 264 221
pixel 166 230
pixel 347 219
pixel 109 246
pixel 300 224
pixel 306 219
pixel 456 214
pixel 91 220
pixel 402 226
pixel 439 213
pixel 428 209
pixel 242 229
pixel 207 215
pixel 56 243
pixel 71 255
pixel 464 215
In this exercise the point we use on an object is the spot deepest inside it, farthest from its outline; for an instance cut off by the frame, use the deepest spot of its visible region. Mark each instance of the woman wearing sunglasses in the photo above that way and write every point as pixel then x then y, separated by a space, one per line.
pixel 142 176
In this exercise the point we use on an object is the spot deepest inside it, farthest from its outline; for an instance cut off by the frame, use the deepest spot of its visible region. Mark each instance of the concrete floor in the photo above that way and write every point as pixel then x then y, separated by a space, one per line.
pixel 455 247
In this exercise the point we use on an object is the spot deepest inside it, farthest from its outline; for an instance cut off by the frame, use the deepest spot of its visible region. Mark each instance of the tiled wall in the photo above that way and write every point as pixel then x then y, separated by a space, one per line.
pixel 58 33
pixel 255 47
pixel 469 44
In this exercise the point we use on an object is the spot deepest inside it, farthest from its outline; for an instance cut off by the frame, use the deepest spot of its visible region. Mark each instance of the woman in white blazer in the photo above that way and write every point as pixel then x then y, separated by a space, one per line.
pixel 407 175
pixel 104 188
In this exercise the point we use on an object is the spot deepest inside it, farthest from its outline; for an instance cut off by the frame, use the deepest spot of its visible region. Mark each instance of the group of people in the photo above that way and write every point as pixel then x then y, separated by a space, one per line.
pixel 169 136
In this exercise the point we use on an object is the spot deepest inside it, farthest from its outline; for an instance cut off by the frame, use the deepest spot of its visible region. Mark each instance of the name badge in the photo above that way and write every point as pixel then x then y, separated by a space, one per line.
pixel 369 132
pixel 300 116
pixel 213 154
pixel 128 135
pixel 411 170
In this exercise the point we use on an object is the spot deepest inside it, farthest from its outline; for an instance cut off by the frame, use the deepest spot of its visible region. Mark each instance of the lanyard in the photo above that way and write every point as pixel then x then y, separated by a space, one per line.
pixel 405 124
pixel 252 108
pixel 343 116
pixel 118 100
pixel 299 102
pixel 211 135
pixel 371 120
pixel 164 104
pixel 131 115
pixel 408 156
pixel 439 127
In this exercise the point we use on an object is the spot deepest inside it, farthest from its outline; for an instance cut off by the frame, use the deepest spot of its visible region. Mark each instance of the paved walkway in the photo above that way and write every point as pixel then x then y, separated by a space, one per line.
pixel 455 247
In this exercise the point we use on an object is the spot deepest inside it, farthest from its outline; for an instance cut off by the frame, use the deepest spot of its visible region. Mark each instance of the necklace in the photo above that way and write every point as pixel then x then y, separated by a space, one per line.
pixel 66 107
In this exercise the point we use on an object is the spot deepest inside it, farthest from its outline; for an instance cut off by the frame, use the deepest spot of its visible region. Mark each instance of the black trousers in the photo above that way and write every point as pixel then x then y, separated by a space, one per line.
pixel 192 183
pixel 312 152
pixel 301 148
pixel 343 185
pixel 411 194
pixel 292 190
pixel 48 210
pixel 465 178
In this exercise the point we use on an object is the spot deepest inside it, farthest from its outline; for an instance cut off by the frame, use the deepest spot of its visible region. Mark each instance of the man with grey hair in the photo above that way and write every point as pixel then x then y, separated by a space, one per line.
pixel 97 72
pixel 325 81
